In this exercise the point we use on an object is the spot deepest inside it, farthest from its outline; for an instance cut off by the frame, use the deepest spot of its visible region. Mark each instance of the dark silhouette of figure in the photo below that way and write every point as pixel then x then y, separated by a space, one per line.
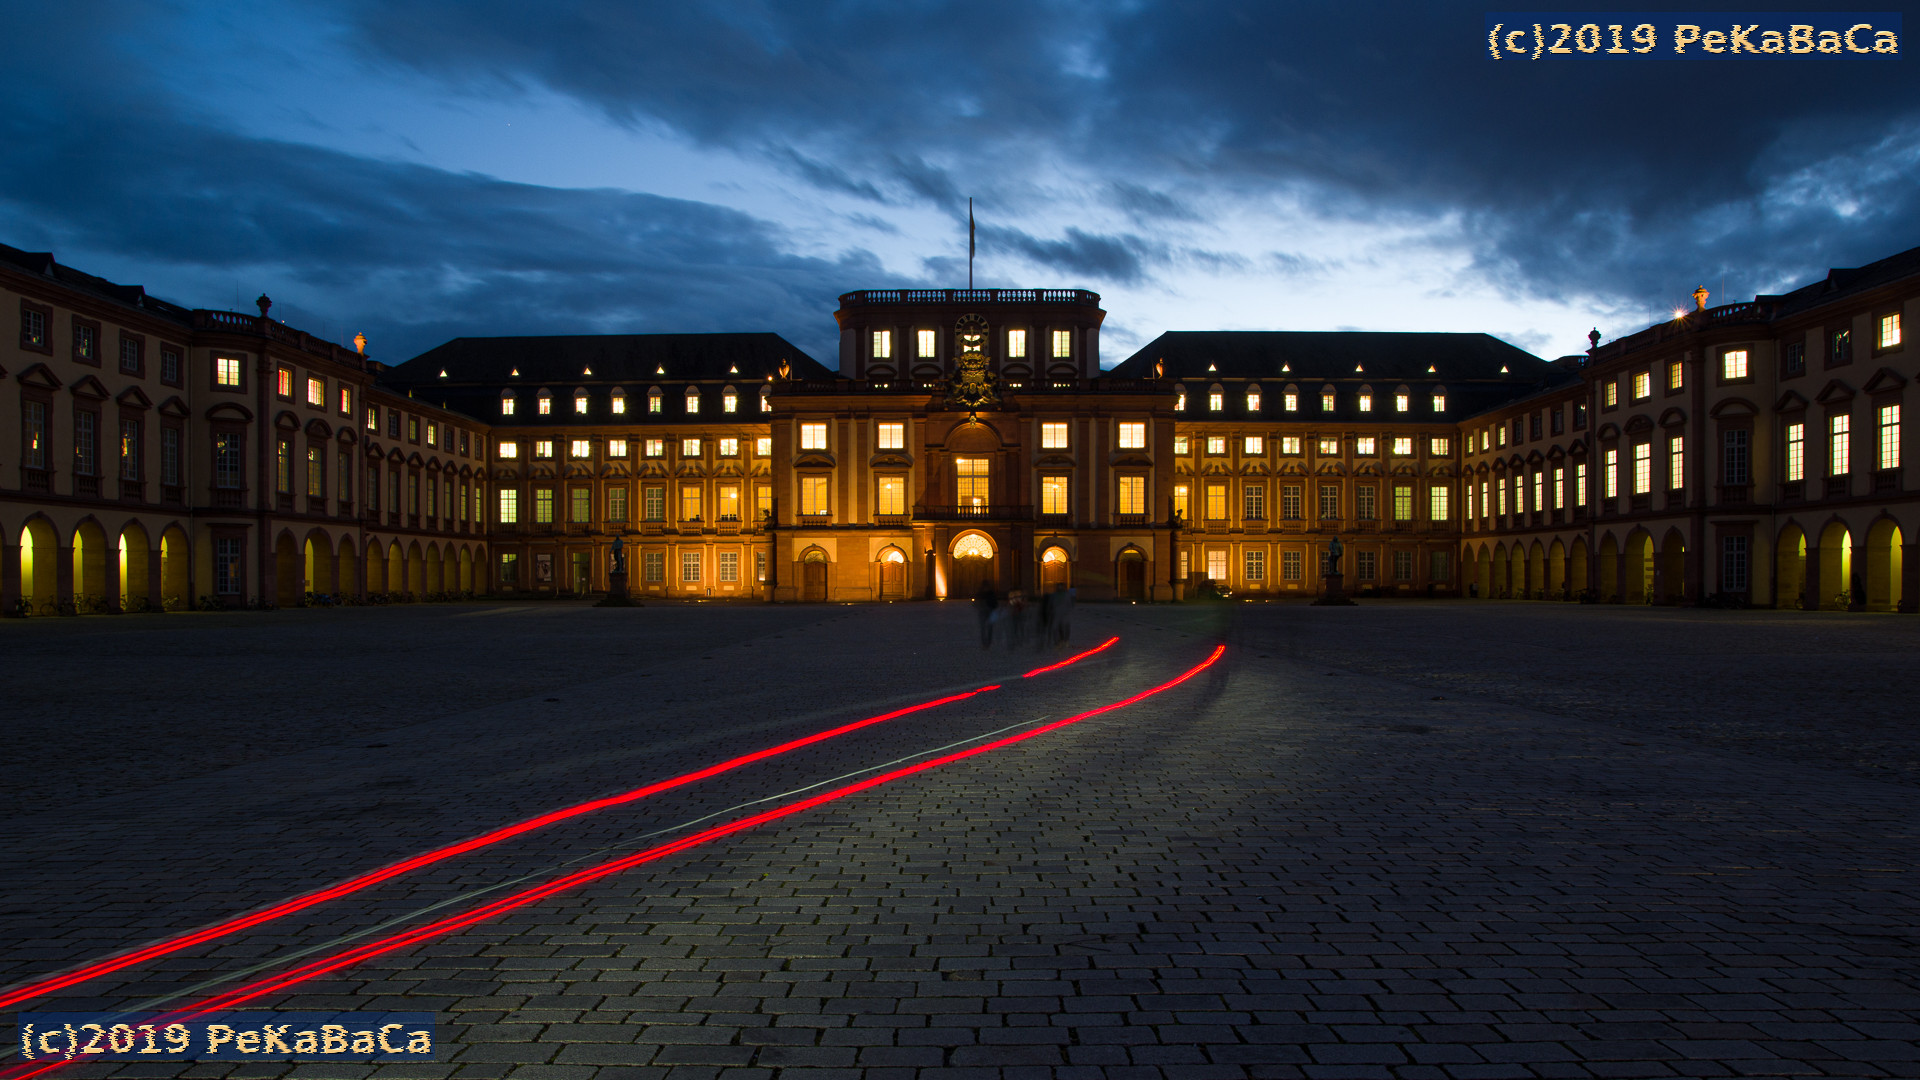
pixel 984 603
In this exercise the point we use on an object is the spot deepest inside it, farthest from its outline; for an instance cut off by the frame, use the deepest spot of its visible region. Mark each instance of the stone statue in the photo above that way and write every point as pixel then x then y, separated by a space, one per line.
pixel 619 556
pixel 1333 556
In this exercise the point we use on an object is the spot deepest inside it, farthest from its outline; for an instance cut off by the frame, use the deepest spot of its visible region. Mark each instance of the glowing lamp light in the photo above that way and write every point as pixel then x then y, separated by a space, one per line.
pixel 1679 314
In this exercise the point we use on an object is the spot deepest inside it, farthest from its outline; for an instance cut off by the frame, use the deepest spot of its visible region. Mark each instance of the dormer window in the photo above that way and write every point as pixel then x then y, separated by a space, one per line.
pixel 693 400
pixel 1326 399
pixel 729 400
pixel 1253 399
pixel 654 399
pixel 619 402
pixel 506 405
pixel 545 403
pixel 1179 399
pixel 580 402
pixel 1290 399
pixel 1402 400
pixel 766 399
pixel 1216 398
pixel 1440 400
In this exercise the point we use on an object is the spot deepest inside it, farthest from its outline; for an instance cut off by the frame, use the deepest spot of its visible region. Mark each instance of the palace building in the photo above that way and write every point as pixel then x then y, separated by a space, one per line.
pixel 174 458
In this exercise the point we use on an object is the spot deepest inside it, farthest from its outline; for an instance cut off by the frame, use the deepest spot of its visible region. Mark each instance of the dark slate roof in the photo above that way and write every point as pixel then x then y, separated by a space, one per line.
pixel 478 369
pixel 1468 366
pixel 616 359
pixel 1842 281
pixel 43 264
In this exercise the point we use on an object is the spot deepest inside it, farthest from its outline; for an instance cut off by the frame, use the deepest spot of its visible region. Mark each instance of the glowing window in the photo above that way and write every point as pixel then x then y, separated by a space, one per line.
pixel 1326 401
pixel 729 447
pixel 1889 437
pixel 690 448
pixel 619 402
pixel 545 407
pixel 1439 403
pixel 1253 401
pixel 616 448
pixel 1216 502
pixel 1133 435
pixel 1329 446
pixel 926 343
pixel 654 400
pixel 970 478
pixel 973 546
pixel 1611 480
pixel 1216 444
pixel 1253 445
pixel 1642 468
pixel 892 436
pixel 729 401
pixel 579 402
pixel 1290 444
pixel 1181 444
pixel 1364 446
pixel 506 406
pixel 763 446
pixel 813 436
pixel 1017 344
pixel 655 448
pixel 1053 495
pixel 1642 385
pixel 543 448
pixel 1437 502
pixel 1290 401
pixel 893 495
pixel 1839 444
pixel 813 495
pixel 1733 364
pixel 226 371
pixel 1796 452
pixel 1062 344
pixel 1402 402
pixel 1403 446
pixel 508 449
pixel 1216 400
pixel 1053 435
pixel 1676 375
pixel 1366 402
pixel 580 448
pixel 1610 394
pixel 1133 494
pixel 1889 331
pixel 1676 463
pixel 693 400
pixel 509 506
pixel 883 344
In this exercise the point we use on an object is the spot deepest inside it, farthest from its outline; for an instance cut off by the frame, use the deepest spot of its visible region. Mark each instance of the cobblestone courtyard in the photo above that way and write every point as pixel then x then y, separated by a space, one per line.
pixel 1447 840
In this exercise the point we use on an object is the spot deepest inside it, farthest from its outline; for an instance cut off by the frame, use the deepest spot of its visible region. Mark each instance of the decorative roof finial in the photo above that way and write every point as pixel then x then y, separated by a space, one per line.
pixel 1593 339
pixel 263 304
pixel 786 370
pixel 1700 298
pixel 360 344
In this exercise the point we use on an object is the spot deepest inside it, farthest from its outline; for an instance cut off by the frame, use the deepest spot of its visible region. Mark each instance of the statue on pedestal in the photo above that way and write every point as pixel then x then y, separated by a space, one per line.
pixel 619 556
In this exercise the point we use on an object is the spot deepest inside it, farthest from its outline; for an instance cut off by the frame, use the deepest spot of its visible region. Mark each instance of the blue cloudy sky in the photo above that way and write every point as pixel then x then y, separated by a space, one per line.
pixel 424 170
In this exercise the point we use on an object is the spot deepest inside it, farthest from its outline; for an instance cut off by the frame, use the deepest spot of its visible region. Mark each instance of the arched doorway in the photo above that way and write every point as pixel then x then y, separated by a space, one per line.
pixel 1638 586
pixel 416 571
pixel 1577 573
pixel 1673 569
pixel 1056 570
pixel 893 574
pixel 90 584
pixel 436 567
pixel 1609 587
pixel 1537 583
pixel 813 575
pixel 318 568
pixel 1837 585
pixel 466 570
pixel 1883 566
pixel 288 578
pixel 1130 574
pixel 972 566
pixel 135 562
pixel 174 583
pixel 1557 586
pixel 40 565
pixel 1502 584
pixel 1790 568
pixel 1483 573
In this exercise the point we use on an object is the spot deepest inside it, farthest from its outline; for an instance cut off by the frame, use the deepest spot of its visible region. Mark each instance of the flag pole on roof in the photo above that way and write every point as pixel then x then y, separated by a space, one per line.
pixel 969 242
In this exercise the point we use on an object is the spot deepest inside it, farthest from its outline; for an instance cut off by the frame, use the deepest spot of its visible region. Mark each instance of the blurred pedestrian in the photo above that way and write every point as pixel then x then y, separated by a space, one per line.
pixel 1063 614
pixel 1049 602
pixel 984 603
pixel 1016 619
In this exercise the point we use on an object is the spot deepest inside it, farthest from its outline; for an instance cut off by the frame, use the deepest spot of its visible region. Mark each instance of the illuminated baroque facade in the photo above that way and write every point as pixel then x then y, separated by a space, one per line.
pixel 170 457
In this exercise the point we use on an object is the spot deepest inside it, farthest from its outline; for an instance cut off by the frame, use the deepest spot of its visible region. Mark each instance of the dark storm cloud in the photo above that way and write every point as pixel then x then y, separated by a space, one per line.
pixel 414 254
pixel 1109 258
pixel 1606 176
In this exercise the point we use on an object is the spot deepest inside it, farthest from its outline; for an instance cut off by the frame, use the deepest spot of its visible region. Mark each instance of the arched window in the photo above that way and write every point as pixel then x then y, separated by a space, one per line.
pixel 1253 398
pixel 693 400
pixel 619 401
pixel 893 555
pixel 1440 399
pixel 973 546
pixel 729 400
pixel 506 402
pixel 1216 398
pixel 1402 399
pixel 1366 399
pixel 1326 398
pixel 1290 398
pixel 545 403
pixel 654 398
pixel 580 400
pixel 1053 555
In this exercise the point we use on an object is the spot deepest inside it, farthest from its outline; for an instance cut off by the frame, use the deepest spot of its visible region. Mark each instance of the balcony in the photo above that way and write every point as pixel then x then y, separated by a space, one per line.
pixel 1365 525
pixel 579 528
pixel 132 491
pixel 1293 525
pixel 1735 495
pixel 1839 487
pixel 173 494
pixel 652 528
pixel 973 513
pixel 968 296
pixel 316 504
pixel 228 498
pixel 87 487
pixel 1793 492
pixel 345 508
pixel 1886 480
pixel 892 521
pixel 728 524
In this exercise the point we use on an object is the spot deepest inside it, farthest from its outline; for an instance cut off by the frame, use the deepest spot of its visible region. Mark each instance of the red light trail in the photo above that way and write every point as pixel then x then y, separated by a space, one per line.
pixel 353 885
pixel 293 977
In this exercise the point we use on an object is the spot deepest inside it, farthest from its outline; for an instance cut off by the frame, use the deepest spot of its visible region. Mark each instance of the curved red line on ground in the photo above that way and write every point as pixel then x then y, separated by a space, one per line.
pixel 352 885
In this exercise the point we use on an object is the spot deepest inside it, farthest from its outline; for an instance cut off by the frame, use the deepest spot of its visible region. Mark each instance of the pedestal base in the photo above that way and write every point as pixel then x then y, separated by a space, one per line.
pixel 617 592
pixel 1335 594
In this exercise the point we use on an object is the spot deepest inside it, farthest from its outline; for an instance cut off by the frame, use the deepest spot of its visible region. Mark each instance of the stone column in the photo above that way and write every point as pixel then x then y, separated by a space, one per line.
pixel 63 574
pixel 9 576
pixel 155 602
pixel 1909 578
pixel 1810 587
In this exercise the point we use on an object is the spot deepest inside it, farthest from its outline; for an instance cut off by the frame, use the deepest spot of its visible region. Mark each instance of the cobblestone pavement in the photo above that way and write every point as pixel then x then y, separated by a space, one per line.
pixel 1394 840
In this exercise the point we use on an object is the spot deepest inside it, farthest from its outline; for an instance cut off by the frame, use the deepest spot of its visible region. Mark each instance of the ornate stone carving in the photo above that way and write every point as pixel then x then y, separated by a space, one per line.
pixel 972 387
